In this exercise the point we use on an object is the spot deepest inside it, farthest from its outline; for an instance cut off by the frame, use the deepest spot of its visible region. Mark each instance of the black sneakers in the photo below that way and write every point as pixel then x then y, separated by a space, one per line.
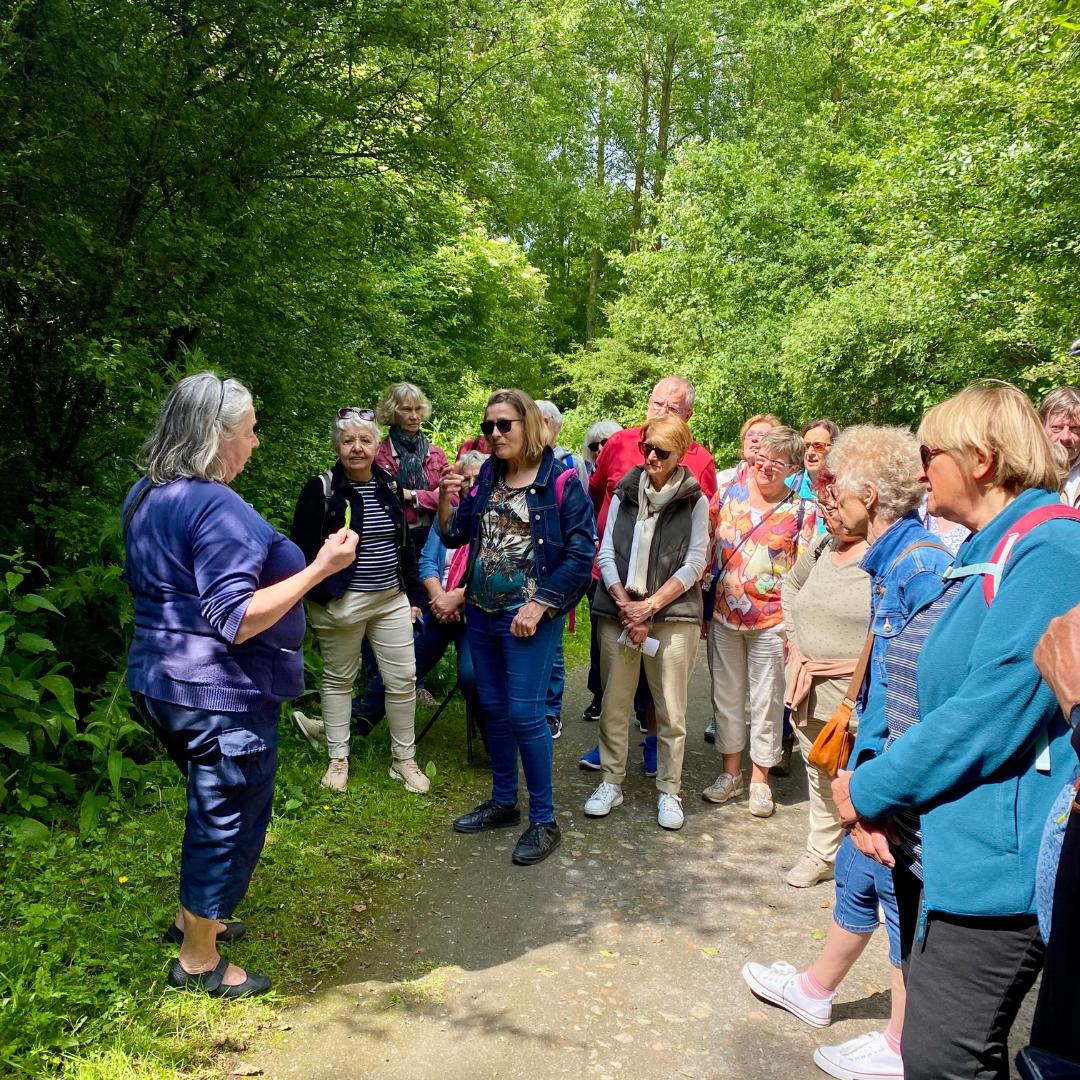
pixel 488 815
pixel 537 843
pixel 592 710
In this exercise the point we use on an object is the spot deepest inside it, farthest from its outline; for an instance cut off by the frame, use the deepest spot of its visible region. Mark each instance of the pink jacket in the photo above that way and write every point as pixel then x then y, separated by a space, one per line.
pixel 426 506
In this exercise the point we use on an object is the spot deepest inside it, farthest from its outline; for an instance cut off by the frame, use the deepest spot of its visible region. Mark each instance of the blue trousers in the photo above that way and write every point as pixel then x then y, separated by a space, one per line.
pixel 229 760
pixel 558 680
pixel 431 643
pixel 512 678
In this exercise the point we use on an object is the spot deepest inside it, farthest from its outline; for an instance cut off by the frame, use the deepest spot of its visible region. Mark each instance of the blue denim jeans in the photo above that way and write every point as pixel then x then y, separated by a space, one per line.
pixel 229 760
pixel 558 679
pixel 862 884
pixel 512 679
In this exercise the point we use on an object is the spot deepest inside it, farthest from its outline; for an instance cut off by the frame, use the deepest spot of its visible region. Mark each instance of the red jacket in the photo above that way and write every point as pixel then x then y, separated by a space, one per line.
pixel 427 501
pixel 620 454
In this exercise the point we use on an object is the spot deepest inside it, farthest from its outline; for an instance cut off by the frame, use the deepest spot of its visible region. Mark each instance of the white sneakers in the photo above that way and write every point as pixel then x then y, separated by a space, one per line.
pixel 866 1057
pixel 779 985
pixel 337 775
pixel 313 730
pixel 809 871
pixel 603 800
pixel 409 772
pixel 669 813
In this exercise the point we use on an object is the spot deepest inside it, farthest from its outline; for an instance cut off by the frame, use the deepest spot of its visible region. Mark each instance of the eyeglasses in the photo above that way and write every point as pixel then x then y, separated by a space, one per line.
pixel 669 407
pixel 503 424
pixel 819 447
pixel 597 446
pixel 351 412
pixel 927 454
pixel 772 464
pixel 648 448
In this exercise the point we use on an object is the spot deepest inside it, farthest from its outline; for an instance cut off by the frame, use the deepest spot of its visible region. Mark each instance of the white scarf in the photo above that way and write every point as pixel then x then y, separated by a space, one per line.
pixel 650 503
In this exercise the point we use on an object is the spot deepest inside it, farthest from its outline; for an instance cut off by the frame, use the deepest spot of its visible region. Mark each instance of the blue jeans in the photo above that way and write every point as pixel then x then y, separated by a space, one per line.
pixel 512 678
pixel 861 884
pixel 229 760
pixel 558 679
pixel 431 643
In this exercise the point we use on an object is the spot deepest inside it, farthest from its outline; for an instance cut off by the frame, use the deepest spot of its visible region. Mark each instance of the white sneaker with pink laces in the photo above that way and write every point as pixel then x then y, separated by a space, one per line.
pixel 866 1057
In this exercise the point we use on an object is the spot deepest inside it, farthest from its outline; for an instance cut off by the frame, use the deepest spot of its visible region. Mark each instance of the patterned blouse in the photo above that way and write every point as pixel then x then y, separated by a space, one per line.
pixel 752 551
pixel 504 573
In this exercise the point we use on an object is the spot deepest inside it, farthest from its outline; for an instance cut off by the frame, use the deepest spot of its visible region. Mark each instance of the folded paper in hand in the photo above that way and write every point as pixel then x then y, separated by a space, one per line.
pixel 650 646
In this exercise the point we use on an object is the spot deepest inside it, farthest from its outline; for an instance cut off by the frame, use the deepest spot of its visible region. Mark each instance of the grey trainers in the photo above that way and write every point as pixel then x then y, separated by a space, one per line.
pixel 725 787
pixel 809 871
pixel 409 772
pixel 337 775
pixel 313 730
pixel 761 800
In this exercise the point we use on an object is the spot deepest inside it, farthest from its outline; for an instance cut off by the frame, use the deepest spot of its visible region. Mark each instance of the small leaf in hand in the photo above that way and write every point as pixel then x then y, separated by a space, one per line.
pixel 348 514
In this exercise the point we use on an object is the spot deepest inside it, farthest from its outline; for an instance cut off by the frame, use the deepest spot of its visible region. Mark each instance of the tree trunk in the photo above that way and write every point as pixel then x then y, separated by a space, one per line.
pixel 596 259
pixel 663 125
pixel 642 150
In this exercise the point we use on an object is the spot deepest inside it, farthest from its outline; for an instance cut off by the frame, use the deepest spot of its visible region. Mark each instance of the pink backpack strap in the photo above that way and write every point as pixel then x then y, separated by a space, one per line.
pixel 560 485
pixel 1031 520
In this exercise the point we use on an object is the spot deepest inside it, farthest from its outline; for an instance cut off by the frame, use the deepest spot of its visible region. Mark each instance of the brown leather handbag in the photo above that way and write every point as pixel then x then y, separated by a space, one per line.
pixel 834 743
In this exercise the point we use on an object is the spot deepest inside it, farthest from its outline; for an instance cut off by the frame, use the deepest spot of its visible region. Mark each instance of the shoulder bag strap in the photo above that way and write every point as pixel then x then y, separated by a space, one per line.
pixel 858 676
pixel 135 504
pixel 753 529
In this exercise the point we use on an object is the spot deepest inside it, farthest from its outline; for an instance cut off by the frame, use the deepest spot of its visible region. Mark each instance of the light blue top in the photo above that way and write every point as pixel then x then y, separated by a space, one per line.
pixel 969 765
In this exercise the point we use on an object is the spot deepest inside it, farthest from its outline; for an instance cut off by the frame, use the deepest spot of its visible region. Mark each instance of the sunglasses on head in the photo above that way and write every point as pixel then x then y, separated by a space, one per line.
pixel 819 447
pixel 648 448
pixel 927 454
pixel 597 446
pixel 503 425
pixel 351 412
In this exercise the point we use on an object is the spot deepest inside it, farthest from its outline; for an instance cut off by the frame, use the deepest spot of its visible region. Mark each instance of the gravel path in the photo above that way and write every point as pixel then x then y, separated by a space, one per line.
pixel 618 957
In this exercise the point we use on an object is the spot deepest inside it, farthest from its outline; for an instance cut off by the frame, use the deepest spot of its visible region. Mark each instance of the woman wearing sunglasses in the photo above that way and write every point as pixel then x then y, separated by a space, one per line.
pixel 985 748
pixel 531 535
pixel 818 437
pixel 376 597
pixel 651 561
pixel 759 528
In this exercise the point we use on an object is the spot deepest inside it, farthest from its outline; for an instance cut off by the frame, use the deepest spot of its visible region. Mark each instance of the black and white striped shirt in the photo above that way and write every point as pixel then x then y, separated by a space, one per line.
pixel 376 566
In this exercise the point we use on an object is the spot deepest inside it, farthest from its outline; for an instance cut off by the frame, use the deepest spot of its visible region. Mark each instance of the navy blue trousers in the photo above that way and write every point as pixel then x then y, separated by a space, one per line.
pixel 229 760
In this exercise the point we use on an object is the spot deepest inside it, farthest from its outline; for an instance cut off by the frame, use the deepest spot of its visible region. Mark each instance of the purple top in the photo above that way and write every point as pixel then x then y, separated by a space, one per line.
pixel 195 552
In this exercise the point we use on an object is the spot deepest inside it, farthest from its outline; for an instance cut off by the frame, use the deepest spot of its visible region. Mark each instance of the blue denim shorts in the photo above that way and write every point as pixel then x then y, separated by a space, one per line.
pixel 861 885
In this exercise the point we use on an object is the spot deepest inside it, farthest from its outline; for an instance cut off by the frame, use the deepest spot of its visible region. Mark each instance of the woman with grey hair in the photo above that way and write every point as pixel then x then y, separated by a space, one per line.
pixel 375 598
pixel 409 457
pixel 595 438
pixel 217 646
pixel 553 422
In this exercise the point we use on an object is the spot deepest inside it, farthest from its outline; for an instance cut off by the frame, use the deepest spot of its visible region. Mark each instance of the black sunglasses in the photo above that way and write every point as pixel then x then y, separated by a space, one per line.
pixel 597 446
pixel 648 448
pixel 351 412
pixel 488 426
pixel 927 454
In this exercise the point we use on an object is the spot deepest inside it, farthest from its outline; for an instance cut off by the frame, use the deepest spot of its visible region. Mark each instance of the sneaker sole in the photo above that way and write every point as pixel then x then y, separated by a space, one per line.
pixel 759 990
pixel 313 740
pixel 408 787
pixel 588 765
pixel 763 813
pixel 831 1068
pixel 604 813
pixel 720 802
pixel 802 884
pixel 672 827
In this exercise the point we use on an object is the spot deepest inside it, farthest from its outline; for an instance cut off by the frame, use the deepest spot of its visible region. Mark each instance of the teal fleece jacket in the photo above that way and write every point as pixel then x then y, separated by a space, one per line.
pixel 968 765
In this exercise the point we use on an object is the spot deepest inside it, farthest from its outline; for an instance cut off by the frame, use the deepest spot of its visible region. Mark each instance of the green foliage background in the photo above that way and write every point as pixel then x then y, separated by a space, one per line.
pixel 848 208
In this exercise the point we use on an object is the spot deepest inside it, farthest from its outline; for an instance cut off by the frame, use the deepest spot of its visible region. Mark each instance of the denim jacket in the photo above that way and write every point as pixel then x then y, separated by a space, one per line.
pixel 563 537
pixel 899 587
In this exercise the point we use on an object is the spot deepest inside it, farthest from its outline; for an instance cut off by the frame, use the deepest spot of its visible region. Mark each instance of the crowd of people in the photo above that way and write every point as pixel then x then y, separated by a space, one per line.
pixel 904 607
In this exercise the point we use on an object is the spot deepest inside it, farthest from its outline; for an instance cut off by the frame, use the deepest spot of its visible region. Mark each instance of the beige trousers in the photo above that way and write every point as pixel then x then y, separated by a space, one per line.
pixel 385 619
pixel 668 673
pixel 748 661
pixel 826 832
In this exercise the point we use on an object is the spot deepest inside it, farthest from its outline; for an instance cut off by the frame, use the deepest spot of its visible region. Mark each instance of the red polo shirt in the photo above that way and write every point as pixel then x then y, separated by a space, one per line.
pixel 620 454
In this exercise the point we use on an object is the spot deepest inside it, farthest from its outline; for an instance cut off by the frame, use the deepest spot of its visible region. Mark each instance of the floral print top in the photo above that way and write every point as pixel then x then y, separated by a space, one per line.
pixel 752 551
pixel 504 573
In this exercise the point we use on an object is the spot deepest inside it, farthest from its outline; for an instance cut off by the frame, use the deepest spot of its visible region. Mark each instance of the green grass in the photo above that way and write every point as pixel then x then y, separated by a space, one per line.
pixel 82 967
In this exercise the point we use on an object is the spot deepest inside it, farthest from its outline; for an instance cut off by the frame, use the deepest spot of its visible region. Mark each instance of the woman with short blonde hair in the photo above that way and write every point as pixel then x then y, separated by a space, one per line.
pixel 984 748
